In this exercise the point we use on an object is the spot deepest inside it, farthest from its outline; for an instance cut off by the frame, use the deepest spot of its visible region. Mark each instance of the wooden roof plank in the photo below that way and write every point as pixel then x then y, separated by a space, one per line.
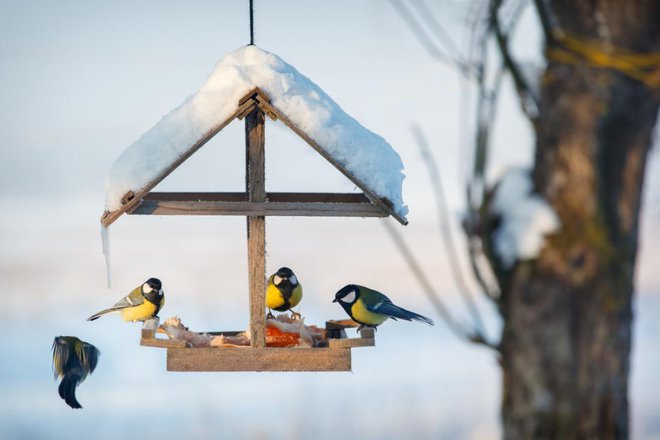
pixel 110 217
pixel 383 203
pixel 246 104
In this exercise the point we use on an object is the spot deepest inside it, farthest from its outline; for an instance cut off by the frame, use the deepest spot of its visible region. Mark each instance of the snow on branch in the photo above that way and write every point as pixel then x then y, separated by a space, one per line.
pixel 525 218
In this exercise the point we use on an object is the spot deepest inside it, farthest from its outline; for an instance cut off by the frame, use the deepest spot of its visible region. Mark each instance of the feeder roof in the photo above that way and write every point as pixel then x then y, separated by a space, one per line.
pixel 363 153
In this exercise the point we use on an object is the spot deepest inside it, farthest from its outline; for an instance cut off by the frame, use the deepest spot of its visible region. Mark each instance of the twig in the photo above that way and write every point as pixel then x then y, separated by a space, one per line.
pixel 426 41
pixel 445 227
pixel 525 94
pixel 546 21
pixel 429 291
pixel 428 17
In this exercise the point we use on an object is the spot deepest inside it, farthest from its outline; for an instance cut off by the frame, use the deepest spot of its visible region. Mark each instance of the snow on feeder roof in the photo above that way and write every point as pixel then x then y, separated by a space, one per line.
pixel 283 93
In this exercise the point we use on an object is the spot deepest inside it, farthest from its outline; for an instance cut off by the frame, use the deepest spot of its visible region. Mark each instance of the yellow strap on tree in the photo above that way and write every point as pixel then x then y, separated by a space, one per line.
pixel 644 67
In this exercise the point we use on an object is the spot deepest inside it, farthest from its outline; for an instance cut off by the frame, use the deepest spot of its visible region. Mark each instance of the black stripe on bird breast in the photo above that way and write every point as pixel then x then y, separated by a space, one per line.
pixel 153 298
pixel 286 289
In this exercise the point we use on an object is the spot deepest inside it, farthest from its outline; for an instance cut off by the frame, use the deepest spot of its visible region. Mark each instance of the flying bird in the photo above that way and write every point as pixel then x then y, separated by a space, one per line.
pixel 73 360
pixel 283 292
pixel 144 302
pixel 370 308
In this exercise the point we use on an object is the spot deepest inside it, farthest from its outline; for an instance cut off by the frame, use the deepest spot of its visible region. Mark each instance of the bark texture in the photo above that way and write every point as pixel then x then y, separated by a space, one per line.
pixel 567 315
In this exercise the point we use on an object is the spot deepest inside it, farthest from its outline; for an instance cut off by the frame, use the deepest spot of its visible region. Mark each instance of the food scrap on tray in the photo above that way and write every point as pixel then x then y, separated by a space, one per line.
pixel 280 332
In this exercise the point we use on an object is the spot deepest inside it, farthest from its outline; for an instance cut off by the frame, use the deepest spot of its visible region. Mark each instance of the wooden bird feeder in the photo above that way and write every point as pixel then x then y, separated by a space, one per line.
pixel 256 204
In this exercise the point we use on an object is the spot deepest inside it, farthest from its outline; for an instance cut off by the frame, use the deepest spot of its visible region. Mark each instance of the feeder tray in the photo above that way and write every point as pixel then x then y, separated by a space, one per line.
pixel 335 357
pixel 256 204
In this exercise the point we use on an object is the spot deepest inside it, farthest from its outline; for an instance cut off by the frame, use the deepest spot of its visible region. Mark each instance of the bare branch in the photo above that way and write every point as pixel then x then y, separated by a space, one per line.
pixel 445 227
pixel 426 41
pixel 525 94
pixel 545 19
pixel 428 16
pixel 473 336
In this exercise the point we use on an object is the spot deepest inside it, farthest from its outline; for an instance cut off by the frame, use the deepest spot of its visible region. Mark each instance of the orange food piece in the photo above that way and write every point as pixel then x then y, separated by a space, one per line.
pixel 277 338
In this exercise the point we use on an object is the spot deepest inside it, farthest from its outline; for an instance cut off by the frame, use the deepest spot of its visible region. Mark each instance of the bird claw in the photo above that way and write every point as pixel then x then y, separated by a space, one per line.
pixel 295 316
pixel 269 315
pixel 362 326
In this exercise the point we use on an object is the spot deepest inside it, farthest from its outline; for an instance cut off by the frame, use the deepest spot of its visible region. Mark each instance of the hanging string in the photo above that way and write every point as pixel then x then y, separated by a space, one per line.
pixel 251 24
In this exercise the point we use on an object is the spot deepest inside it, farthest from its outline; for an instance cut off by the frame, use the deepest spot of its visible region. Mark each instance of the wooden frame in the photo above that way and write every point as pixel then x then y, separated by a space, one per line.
pixel 255 203
pixel 253 100
pixel 276 204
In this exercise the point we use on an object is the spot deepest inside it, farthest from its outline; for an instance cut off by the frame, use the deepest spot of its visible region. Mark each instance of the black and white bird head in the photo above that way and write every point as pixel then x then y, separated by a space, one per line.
pixel 347 295
pixel 284 275
pixel 152 286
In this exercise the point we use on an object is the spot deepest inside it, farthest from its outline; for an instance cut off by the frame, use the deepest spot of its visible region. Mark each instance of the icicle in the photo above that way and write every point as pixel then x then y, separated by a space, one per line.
pixel 105 238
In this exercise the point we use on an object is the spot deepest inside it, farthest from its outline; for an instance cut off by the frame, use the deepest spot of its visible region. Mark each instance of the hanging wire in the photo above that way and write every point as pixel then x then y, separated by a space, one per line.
pixel 251 23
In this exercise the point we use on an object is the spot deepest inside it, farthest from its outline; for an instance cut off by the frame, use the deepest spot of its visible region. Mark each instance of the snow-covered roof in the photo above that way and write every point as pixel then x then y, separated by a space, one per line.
pixel 363 153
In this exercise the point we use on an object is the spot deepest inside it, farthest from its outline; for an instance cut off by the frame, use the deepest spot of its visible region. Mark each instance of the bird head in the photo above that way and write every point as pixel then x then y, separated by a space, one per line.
pixel 347 295
pixel 152 284
pixel 285 274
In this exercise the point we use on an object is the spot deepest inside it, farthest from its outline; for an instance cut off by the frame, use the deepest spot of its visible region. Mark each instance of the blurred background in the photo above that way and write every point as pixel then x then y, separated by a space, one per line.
pixel 80 81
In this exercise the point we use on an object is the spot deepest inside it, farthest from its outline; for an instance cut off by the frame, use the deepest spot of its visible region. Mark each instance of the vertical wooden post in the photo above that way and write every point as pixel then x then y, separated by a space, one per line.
pixel 255 186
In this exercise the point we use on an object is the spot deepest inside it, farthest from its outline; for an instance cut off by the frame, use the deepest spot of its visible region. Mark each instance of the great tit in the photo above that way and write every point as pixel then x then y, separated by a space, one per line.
pixel 283 292
pixel 370 308
pixel 144 302
pixel 73 360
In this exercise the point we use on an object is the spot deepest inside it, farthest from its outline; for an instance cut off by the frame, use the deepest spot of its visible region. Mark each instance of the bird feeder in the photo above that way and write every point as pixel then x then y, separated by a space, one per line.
pixel 257 204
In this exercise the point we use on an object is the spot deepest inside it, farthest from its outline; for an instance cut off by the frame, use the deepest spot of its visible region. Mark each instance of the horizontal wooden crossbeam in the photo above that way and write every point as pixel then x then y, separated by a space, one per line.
pixel 276 204
pixel 258 359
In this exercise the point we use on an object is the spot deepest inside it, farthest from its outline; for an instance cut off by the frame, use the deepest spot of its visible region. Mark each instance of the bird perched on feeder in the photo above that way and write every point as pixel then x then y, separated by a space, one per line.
pixel 73 360
pixel 144 302
pixel 370 308
pixel 283 292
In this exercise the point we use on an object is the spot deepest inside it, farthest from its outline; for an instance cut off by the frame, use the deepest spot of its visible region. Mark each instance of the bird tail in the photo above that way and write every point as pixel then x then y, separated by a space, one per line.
pixel 101 313
pixel 67 390
pixel 394 311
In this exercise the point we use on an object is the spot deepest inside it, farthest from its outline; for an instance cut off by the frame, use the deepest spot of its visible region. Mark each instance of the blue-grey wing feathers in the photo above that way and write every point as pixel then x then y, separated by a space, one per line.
pixel 386 307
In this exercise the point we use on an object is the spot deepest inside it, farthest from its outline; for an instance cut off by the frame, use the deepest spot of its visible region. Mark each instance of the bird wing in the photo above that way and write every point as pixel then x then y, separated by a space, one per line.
pixel 386 307
pixel 60 356
pixel 88 355
pixel 135 298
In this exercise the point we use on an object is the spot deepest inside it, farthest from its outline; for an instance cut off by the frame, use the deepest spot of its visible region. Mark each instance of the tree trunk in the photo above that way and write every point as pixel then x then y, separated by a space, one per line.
pixel 567 315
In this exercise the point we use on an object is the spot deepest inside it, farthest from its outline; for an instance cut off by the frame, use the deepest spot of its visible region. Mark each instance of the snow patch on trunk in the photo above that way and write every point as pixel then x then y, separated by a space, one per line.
pixel 526 218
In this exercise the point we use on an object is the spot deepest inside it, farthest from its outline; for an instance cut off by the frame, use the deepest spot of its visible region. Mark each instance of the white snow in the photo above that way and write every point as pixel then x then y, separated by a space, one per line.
pixel 362 152
pixel 526 218
pixel 105 239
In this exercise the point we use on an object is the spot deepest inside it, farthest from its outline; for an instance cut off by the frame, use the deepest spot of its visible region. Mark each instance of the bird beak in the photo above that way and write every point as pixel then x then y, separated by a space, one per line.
pixel 334 300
